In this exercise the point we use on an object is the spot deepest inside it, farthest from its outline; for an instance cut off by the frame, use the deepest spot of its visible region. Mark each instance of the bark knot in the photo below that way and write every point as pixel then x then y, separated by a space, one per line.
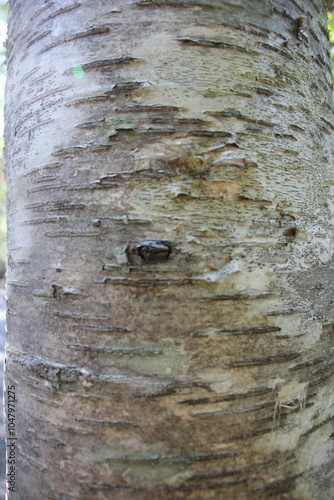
pixel 151 250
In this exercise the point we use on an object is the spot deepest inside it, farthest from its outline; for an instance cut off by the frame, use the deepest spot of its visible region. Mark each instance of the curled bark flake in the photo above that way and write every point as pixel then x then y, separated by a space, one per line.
pixel 215 44
pixel 105 64
pixel 58 291
pixel 302 24
pixel 125 87
pixel 96 222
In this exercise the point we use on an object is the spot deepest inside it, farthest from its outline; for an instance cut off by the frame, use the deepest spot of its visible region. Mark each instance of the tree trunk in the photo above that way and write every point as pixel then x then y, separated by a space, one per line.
pixel 170 276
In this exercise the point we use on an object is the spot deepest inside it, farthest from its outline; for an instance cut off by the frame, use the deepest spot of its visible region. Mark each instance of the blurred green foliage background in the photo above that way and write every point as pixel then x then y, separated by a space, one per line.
pixel 331 36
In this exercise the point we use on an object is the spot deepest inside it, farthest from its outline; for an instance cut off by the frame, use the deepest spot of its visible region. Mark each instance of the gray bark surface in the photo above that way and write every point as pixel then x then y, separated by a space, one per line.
pixel 170 272
pixel 2 408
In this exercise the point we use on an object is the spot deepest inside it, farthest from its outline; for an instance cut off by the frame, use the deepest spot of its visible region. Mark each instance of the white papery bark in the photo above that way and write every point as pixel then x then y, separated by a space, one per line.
pixel 170 276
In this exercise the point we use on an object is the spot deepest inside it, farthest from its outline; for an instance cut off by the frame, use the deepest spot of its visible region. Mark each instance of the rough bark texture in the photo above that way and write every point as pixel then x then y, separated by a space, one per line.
pixel 170 275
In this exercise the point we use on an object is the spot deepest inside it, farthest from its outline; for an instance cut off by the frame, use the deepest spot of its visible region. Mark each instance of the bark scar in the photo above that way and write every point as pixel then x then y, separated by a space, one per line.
pixel 151 250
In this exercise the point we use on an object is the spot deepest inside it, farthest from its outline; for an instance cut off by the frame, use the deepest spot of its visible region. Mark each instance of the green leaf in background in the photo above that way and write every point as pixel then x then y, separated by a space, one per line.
pixel 330 24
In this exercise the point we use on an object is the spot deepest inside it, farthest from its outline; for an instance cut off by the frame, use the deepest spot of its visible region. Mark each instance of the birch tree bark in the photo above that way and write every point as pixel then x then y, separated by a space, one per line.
pixel 170 274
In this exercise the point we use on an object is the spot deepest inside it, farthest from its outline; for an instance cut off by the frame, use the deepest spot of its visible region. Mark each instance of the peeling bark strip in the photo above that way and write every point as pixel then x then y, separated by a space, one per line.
pixel 216 44
pixel 76 36
pixel 59 12
pixel 107 63
pixel 170 278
